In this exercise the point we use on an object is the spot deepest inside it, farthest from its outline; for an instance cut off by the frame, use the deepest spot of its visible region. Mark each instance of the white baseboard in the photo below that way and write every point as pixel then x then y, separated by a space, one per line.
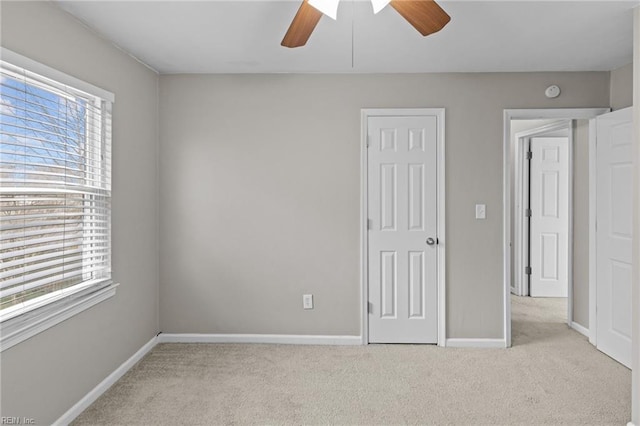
pixel 580 329
pixel 476 343
pixel 285 339
pixel 103 386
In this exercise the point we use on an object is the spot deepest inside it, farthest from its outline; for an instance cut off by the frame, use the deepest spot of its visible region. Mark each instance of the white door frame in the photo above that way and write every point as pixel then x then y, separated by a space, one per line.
pixel 439 113
pixel 524 114
pixel 593 207
pixel 521 192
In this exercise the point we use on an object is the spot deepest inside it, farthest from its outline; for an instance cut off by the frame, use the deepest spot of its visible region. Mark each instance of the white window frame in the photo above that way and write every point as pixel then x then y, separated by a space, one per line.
pixel 16 329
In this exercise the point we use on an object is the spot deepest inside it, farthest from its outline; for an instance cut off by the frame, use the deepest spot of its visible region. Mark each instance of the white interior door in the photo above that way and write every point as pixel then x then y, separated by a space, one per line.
pixel 549 204
pixel 614 231
pixel 402 229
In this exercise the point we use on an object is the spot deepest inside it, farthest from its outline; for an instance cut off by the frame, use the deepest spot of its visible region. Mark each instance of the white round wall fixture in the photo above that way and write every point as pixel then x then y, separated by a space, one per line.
pixel 552 92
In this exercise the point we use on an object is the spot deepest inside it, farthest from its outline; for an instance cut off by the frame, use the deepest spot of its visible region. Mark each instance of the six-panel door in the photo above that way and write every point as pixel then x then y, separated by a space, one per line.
pixel 549 217
pixel 614 234
pixel 402 161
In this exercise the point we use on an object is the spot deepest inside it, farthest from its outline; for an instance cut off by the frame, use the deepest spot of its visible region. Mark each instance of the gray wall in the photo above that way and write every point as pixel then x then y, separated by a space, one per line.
pixel 622 87
pixel 45 375
pixel 581 222
pixel 260 184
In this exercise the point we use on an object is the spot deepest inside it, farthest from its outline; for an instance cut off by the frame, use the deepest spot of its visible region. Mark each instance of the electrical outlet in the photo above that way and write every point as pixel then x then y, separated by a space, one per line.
pixel 481 211
pixel 307 301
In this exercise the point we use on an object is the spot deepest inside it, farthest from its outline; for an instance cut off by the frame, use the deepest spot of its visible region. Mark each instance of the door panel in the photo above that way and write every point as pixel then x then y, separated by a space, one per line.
pixel 402 215
pixel 549 217
pixel 416 190
pixel 416 284
pixel 614 232
pixel 388 282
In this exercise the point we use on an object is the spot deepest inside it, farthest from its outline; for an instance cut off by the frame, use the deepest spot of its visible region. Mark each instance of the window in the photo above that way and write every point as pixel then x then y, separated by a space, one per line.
pixel 55 187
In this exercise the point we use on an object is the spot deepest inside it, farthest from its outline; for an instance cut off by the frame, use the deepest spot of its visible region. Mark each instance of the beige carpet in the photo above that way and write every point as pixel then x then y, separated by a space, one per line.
pixel 552 375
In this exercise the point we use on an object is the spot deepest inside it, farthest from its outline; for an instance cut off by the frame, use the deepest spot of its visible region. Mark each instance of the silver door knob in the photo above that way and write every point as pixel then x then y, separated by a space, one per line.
pixel 431 241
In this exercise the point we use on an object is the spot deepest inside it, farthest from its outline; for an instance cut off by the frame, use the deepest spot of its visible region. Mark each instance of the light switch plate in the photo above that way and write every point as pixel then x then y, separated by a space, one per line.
pixel 307 301
pixel 481 211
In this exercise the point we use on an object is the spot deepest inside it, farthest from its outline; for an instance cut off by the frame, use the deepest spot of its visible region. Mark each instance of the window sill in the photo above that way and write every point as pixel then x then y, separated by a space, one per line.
pixel 19 329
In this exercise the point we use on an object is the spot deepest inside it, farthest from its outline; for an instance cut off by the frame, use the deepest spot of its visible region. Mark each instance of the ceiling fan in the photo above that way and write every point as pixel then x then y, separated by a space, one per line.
pixel 425 16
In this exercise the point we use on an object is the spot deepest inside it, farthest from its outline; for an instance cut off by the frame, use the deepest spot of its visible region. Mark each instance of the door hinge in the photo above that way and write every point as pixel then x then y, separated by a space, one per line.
pixel 527 270
pixel 369 307
pixel 368 143
pixel 527 212
pixel 529 155
pixel 369 224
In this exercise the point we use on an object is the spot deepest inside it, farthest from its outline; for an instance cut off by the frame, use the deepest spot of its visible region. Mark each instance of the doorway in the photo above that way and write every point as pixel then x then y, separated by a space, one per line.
pixel 403 226
pixel 509 272
pixel 542 213
pixel 541 207
pixel 608 230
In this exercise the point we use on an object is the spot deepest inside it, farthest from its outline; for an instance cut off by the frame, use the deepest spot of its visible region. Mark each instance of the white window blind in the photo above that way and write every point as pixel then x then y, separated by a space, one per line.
pixel 55 187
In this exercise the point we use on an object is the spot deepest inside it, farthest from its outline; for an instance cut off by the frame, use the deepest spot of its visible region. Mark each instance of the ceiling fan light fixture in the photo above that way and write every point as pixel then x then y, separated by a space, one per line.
pixel 378 5
pixel 328 7
pixel 424 15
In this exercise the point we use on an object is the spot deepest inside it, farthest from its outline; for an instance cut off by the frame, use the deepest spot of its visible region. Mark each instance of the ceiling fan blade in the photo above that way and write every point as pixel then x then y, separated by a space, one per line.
pixel 302 26
pixel 425 15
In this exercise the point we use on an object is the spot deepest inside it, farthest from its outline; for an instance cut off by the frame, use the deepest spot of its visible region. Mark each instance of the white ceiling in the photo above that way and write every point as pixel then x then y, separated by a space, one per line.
pixel 483 36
